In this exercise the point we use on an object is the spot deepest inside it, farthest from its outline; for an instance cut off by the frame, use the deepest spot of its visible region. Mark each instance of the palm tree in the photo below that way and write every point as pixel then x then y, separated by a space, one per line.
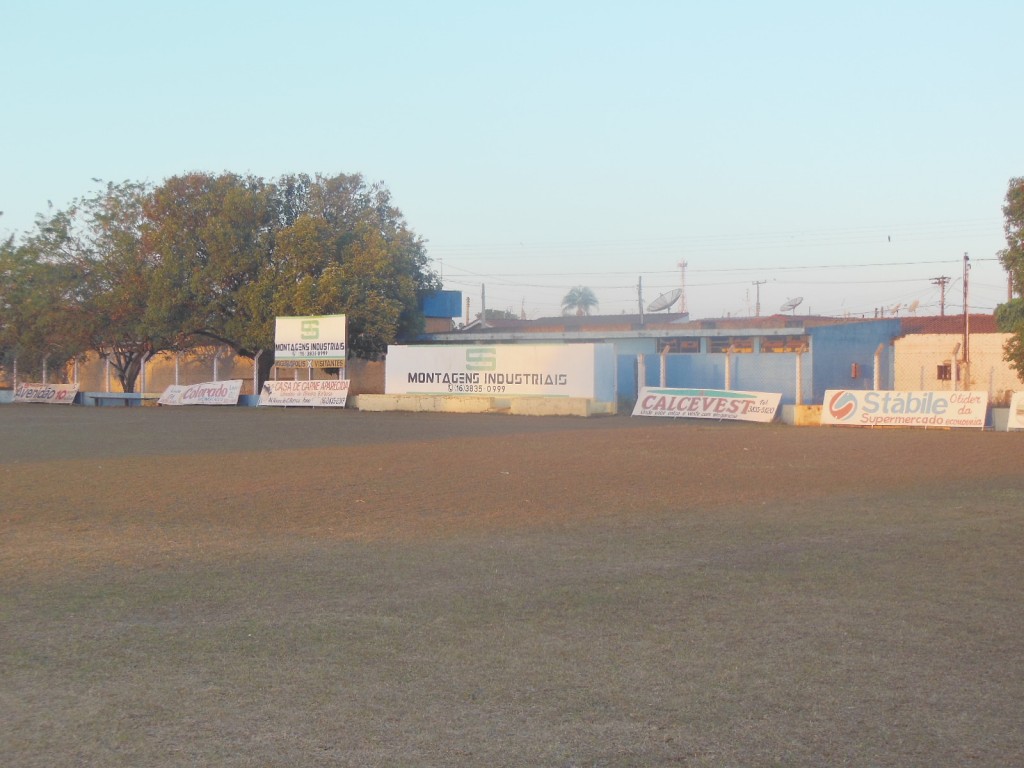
pixel 579 300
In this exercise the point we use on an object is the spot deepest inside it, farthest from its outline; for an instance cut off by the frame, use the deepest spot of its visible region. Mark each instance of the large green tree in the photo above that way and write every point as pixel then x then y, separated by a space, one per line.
pixel 117 281
pixel 132 270
pixel 40 296
pixel 1010 316
pixel 90 284
pixel 232 253
pixel 210 240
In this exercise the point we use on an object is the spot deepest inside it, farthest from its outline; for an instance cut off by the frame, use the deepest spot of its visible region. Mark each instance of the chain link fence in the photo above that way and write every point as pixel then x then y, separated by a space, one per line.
pixel 933 362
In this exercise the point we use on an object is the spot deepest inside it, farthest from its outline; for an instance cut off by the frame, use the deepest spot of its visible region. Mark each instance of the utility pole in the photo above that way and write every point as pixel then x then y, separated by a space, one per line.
pixel 967 325
pixel 640 298
pixel 757 306
pixel 942 282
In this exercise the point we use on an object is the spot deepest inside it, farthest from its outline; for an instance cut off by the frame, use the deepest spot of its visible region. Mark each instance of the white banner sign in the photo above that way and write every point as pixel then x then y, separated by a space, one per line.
pixel 207 393
pixel 310 342
pixel 707 404
pixel 553 370
pixel 876 408
pixel 60 394
pixel 319 393
pixel 1016 418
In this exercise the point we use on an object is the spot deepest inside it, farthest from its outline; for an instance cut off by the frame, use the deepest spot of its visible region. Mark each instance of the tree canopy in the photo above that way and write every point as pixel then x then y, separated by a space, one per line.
pixel 580 300
pixel 134 270
pixel 1012 257
pixel 1010 316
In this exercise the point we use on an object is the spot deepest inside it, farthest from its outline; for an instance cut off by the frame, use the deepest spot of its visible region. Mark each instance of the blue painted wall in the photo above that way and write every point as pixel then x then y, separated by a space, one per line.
pixel 836 348
pixel 774 372
pixel 442 304
pixel 828 365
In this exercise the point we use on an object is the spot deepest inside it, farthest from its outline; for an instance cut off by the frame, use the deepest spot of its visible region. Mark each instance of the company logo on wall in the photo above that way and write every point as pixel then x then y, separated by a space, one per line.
pixel 842 405
pixel 481 359
pixel 310 329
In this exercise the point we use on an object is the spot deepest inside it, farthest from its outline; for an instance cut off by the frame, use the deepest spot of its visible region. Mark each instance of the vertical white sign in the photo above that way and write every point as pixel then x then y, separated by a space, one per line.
pixel 1016 418
pixel 310 342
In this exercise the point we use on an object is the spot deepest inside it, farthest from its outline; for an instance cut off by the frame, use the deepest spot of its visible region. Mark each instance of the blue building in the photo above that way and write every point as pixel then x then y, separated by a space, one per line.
pixel 800 357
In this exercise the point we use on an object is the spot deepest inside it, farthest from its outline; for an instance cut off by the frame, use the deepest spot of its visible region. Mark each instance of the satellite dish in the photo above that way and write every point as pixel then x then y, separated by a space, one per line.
pixel 792 304
pixel 912 309
pixel 666 300
pixel 895 310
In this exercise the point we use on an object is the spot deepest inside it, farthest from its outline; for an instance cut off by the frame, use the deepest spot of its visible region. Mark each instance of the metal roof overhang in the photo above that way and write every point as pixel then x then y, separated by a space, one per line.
pixel 599 336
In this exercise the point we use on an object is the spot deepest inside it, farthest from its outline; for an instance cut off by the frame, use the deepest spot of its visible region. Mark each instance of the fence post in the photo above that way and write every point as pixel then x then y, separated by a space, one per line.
pixel 799 399
pixel 728 367
pixel 956 366
pixel 641 373
pixel 177 357
pixel 664 366
pixel 44 370
pixel 256 372
pixel 877 382
pixel 142 372
pixel 15 374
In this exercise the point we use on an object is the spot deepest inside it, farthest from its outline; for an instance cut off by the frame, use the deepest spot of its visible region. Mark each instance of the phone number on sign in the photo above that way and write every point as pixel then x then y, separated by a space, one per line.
pixel 463 389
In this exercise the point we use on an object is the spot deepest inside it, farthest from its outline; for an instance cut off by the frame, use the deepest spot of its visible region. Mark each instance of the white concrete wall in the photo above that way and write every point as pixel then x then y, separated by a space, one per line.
pixel 917 357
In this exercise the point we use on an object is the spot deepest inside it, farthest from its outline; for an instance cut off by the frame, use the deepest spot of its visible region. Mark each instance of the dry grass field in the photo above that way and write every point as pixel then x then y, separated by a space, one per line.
pixel 258 587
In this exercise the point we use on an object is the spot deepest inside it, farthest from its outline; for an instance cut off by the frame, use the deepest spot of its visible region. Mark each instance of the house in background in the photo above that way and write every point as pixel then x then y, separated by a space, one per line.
pixel 929 355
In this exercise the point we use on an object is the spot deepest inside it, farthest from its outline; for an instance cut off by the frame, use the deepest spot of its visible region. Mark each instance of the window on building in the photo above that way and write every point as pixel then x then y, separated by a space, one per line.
pixel 784 344
pixel 679 346
pixel 739 344
pixel 944 372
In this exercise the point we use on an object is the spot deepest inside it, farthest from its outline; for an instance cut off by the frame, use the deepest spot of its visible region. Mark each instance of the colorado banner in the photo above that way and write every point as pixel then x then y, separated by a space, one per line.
pixel 207 393
pixel 59 394
pixel 876 408
pixel 724 405
pixel 330 393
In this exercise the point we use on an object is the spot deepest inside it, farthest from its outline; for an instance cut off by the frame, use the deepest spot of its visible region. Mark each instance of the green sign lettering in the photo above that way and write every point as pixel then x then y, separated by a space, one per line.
pixel 310 330
pixel 481 359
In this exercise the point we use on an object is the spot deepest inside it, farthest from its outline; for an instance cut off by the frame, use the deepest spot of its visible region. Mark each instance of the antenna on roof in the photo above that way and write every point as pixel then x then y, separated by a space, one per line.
pixel 912 309
pixel 665 301
pixel 791 305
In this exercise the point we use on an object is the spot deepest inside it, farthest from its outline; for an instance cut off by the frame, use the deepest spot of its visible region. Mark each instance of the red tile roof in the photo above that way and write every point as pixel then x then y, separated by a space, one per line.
pixel 948 324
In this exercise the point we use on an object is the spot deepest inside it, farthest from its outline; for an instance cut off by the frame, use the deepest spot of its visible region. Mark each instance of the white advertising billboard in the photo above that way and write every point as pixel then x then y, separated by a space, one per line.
pixel 1016 418
pixel 876 408
pixel 58 394
pixel 319 393
pixel 723 405
pixel 310 342
pixel 551 370
pixel 207 393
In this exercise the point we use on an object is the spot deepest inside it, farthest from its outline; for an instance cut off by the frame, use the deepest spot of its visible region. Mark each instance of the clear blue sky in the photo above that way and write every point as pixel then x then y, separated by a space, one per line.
pixel 844 153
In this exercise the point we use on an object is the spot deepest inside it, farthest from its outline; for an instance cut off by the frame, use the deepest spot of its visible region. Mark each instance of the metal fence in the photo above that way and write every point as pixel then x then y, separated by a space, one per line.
pixel 931 363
